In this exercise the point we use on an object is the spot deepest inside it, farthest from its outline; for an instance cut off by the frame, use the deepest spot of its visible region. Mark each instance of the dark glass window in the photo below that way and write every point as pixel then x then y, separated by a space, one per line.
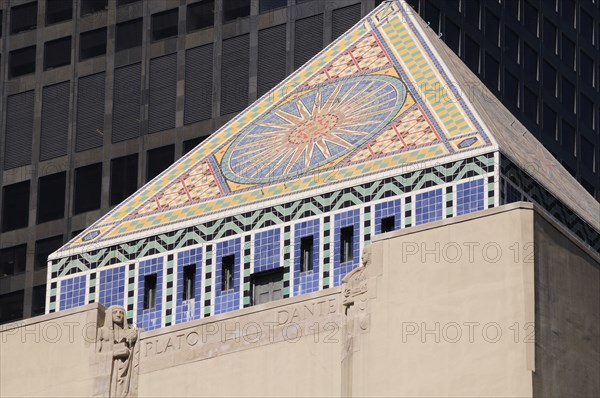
pixel 125 2
pixel 227 264
pixel 38 300
pixel 492 72
pixel 346 244
pixel 158 160
pixel 586 27
pixel 586 111
pixel 568 52
pixel 13 260
pixel 11 306
pixel 550 37
pixel 568 139
pixel 530 105
pixel 530 62
pixel 512 8
pixel 123 178
pixel 568 11
pixel 588 154
pixel 23 17
pixel 44 248
pixel 472 11
pixel 58 11
pixel 193 143
pixel 189 282
pixel 511 89
pixel 128 35
pixel 568 96
pixel 57 53
pixel 306 253
pixel 587 186
pixel 88 188
pixel 200 15
pixel 549 123
pixel 586 68
pixel 22 62
pixel 92 44
pixel 492 28
pixel 472 54
pixel 452 36
pixel 235 9
pixel 51 197
pixel 149 291
pixel 388 224
pixel 549 80
pixel 432 16
pixel 91 6
pixel 266 5
pixel 511 44
pixel 15 206
pixel 530 14
pixel 164 24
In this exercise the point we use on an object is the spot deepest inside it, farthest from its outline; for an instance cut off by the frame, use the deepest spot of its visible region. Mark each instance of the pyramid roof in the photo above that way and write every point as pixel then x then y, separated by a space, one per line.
pixel 380 99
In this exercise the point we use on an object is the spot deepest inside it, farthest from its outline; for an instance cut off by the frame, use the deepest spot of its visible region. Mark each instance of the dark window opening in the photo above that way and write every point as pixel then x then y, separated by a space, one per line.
pixel 530 18
pixel 549 37
pixel 235 9
pixel 227 263
pixel 492 72
pixel 568 52
pixel 189 282
pixel 15 206
pixel 511 44
pixel 149 291
pixel 472 55
pixel 164 24
pixel 123 178
pixel 51 197
pixel 492 28
pixel 472 13
pixel 200 15
pixel 266 5
pixel 530 105
pixel 23 17
pixel 193 143
pixel 388 224
pixel 128 35
pixel 57 53
pixel 125 2
pixel 44 248
pixel 13 260
pixel 549 127
pixel 92 6
pixel 92 44
pixel 588 186
pixel 511 89
pixel 530 62
pixel 88 188
pixel 588 154
pixel 58 11
pixel 346 244
pixel 452 36
pixel 306 253
pixel 21 62
pixel 568 140
pixel 549 79
pixel 586 68
pixel 11 306
pixel 568 96
pixel 432 16
pixel 158 160
pixel 586 111
pixel 38 300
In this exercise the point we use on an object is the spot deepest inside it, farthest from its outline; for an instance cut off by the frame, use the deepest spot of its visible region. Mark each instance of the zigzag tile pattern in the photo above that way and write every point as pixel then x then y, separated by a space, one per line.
pixel 269 216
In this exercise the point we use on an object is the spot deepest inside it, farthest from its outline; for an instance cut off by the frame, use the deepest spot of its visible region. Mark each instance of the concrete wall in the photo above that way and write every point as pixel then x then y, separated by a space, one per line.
pixel 567 316
pixel 50 355
pixel 446 309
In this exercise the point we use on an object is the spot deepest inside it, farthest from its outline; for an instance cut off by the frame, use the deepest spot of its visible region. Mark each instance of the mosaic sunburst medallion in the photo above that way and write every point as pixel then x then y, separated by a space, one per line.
pixel 313 129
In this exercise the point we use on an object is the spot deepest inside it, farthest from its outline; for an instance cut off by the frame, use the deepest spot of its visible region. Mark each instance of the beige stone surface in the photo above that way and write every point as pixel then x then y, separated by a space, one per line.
pixel 49 356
pixel 445 309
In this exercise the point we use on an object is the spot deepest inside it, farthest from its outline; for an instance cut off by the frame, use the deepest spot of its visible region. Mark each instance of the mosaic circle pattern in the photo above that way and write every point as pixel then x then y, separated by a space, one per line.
pixel 315 128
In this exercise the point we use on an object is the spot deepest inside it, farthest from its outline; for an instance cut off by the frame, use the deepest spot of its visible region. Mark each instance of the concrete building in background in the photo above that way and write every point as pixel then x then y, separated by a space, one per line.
pixel 75 75
pixel 416 320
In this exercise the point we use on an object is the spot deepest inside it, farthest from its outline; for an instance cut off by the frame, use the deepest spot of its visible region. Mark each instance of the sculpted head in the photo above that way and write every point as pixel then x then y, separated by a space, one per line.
pixel 366 256
pixel 115 315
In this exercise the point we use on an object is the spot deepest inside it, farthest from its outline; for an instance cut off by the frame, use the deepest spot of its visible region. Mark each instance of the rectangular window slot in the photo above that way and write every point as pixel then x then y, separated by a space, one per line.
pixel 189 281
pixel 388 224
pixel 306 253
pixel 149 291
pixel 227 272
pixel 346 244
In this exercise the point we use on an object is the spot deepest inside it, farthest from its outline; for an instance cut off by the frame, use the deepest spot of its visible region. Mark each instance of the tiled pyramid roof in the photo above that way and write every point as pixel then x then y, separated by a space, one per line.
pixel 376 100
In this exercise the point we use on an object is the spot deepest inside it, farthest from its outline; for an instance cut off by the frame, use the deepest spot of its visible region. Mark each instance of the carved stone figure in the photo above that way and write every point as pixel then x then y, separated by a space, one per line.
pixel 118 341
